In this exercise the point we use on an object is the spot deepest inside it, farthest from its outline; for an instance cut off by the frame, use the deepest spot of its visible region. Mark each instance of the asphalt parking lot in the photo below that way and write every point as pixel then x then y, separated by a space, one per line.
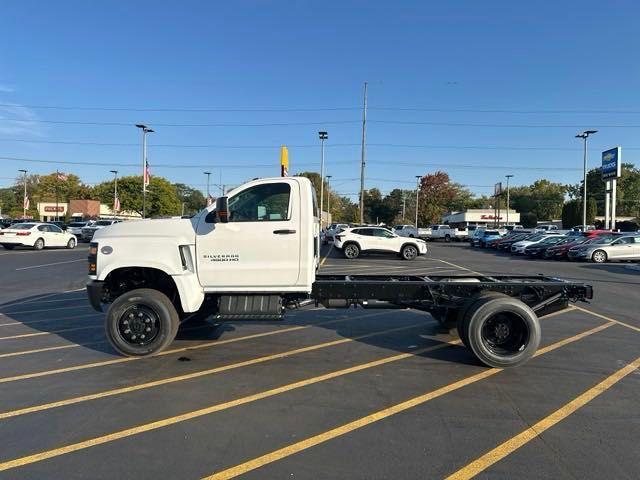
pixel 357 394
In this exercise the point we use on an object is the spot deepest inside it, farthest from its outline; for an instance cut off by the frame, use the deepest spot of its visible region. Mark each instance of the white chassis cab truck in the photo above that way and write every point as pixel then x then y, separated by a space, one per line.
pixel 254 255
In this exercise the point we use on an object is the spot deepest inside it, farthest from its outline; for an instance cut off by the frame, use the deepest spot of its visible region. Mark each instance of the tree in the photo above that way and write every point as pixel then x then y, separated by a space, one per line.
pixel 192 198
pixel 529 220
pixel 162 196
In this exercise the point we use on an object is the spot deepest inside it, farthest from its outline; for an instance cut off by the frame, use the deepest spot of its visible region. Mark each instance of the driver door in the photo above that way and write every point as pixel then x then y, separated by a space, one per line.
pixel 259 248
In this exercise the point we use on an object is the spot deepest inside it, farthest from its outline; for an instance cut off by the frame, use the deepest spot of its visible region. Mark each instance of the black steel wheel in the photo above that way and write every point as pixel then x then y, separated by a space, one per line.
pixel 502 332
pixel 141 322
pixel 409 252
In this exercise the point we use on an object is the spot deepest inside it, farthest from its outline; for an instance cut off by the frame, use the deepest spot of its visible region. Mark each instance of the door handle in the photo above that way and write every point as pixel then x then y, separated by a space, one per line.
pixel 284 232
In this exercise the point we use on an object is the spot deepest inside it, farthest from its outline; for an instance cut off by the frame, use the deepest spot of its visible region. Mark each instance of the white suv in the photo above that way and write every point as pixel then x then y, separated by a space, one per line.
pixel 353 241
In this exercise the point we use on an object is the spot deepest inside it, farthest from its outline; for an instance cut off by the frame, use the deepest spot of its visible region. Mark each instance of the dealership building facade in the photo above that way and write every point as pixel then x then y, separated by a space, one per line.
pixel 481 217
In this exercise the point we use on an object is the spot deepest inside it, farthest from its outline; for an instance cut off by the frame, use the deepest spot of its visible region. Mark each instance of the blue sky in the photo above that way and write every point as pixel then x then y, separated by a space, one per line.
pixel 464 63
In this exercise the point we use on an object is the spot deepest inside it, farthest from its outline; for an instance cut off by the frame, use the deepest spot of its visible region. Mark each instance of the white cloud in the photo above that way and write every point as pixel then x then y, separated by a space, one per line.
pixel 19 120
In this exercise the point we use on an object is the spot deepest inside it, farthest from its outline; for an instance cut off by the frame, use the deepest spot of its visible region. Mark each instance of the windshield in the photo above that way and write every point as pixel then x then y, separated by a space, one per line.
pixel 23 226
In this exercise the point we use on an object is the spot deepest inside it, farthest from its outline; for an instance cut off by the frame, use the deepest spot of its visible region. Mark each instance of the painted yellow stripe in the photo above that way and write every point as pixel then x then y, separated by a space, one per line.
pixel 49 349
pixel 327 255
pixel 115 361
pixel 608 318
pixel 202 373
pixel 513 444
pixel 458 266
pixel 208 410
pixel 376 416
pixel 38 334
pixel 26 324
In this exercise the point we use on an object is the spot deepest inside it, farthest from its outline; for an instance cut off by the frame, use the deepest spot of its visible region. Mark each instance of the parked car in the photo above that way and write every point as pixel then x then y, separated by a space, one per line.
pixel 37 235
pixel 90 230
pixel 608 248
pixel 332 230
pixel 481 239
pixel 354 241
pixel 539 248
pixel 518 247
pixel 76 228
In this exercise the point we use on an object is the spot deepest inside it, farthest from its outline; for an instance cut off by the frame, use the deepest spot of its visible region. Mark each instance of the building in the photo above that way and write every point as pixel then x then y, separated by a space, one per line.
pixel 482 217
pixel 79 210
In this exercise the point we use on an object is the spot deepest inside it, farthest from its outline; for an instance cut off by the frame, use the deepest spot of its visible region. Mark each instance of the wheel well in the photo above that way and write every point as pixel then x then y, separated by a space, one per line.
pixel 126 279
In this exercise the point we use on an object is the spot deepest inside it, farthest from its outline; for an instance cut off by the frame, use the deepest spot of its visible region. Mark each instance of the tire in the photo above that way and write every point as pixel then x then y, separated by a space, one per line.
pixel 150 309
pixel 502 332
pixel 351 251
pixel 39 245
pixel 599 256
pixel 470 305
pixel 8 246
pixel 71 244
pixel 409 252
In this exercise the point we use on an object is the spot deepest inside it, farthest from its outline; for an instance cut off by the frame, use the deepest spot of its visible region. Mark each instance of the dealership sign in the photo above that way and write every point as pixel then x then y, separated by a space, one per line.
pixel 611 163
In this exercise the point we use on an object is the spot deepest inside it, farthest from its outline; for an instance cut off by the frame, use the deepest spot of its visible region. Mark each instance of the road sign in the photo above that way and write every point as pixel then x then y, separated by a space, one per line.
pixel 611 163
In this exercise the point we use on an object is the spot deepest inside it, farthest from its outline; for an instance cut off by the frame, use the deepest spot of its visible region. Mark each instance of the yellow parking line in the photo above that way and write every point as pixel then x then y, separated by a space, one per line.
pixel 214 343
pixel 202 373
pixel 19 462
pixel 327 255
pixel 374 417
pixel 37 334
pixel 458 266
pixel 514 443
pixel 49 320
pixel 608 318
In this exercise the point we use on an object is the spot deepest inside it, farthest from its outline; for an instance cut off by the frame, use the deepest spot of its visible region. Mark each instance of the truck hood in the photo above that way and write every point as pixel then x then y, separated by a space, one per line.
pixel 182 230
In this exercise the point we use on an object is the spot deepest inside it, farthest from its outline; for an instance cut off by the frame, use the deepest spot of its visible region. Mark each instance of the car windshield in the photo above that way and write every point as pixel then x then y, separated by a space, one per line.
pixel 23 226
pixel 103 223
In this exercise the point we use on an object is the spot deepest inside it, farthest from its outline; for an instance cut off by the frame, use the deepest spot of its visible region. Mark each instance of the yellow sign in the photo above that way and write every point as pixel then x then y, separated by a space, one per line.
pixel 284 161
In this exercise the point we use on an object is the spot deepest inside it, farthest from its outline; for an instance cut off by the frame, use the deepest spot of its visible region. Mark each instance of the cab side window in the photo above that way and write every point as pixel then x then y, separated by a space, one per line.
pixel 262 203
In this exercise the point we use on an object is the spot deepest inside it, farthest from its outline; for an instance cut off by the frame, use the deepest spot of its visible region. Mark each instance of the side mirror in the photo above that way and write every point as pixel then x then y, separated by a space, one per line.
pixel 222 210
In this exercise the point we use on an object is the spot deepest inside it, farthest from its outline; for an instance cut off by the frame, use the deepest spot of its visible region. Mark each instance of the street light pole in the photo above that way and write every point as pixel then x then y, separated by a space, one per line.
pixel 145 130
pixel 508 204
pixel 115 190
pixel 24 198
pixel 328 196
pixel 584 135
pixel 418 177
pixel 362 156
pixel 208 174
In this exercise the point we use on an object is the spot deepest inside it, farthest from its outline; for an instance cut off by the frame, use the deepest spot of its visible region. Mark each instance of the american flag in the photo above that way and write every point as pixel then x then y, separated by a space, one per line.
pixel 116 204
pixel 26 202
pixel 147 174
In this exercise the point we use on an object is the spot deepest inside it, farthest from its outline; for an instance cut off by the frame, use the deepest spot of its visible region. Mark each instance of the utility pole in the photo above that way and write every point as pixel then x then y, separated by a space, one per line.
pixel 208 174
pixel 584 135
pixel 24 198
pixel 145 169
pixel 418 177
pixel 116 202
pixel 508 204
pixel 329 196
pixel 362 156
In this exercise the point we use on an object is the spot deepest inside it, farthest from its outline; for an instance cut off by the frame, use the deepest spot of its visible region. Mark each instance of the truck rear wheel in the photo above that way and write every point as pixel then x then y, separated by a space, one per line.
pixel 502 332
pixel 141 322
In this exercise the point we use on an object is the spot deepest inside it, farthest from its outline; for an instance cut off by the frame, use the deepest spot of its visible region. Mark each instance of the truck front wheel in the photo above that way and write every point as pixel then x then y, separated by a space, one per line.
pixel 502 332
pixel 141 322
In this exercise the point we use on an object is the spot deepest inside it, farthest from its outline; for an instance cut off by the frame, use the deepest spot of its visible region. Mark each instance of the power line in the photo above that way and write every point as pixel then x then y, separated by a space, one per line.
pixel 156 124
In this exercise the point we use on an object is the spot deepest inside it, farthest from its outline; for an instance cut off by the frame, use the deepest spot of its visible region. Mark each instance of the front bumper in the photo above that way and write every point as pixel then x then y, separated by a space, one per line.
pixel 94 292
